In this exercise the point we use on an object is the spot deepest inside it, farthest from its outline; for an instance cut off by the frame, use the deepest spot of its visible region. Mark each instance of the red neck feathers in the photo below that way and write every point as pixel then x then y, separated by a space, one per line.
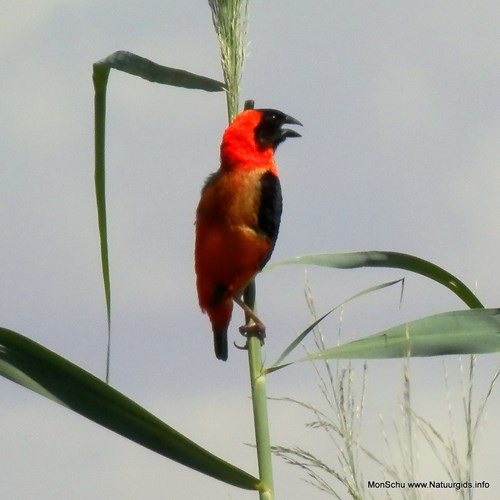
pixel 239 149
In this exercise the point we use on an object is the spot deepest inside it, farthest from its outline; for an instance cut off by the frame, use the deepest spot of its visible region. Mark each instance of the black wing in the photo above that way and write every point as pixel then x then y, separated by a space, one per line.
pixel 270 208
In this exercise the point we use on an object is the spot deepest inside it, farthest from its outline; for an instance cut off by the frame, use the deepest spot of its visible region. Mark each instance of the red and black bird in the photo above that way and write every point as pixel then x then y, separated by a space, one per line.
pixel 238 217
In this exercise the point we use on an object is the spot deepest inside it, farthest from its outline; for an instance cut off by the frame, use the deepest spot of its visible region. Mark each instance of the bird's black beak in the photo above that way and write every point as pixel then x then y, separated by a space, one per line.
pixel 270 131
pixel 287 132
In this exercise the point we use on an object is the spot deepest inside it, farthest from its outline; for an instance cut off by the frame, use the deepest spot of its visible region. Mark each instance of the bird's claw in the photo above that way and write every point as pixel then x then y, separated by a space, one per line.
pixel 256 329
pixel 241 347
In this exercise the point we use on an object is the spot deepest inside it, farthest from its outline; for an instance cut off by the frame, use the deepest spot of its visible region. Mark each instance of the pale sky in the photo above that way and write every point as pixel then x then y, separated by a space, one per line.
pixel 400 151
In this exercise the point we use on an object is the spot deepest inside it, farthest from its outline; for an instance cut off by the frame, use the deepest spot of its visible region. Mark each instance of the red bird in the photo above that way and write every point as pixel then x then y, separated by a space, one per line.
pixel 238 217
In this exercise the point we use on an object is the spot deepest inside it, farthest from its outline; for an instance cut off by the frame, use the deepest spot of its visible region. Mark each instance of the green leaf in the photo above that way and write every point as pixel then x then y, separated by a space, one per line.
pixel 475 331
pixel 41 370
pixel 138 66
pixel 392 260
pixel 277 364
pixel 153 72
pixel 100 78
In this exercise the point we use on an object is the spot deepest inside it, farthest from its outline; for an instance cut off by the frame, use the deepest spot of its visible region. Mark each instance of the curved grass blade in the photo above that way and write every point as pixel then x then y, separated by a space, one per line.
pixel 156 73
pixel 100 79
pixel 392 260
pixel 138 66
pixel 41 370
pixel 474 331
pixel 314 324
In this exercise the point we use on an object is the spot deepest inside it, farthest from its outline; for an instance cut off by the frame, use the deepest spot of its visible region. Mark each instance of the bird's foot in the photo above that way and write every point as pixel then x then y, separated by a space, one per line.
pixel 256 330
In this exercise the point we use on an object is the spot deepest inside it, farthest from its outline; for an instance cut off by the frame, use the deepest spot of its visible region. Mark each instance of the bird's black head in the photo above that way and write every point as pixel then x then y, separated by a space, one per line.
pixel 269 132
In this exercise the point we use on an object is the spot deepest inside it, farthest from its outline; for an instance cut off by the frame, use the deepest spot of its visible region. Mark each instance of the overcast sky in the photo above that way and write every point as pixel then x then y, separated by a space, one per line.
pixel 400 151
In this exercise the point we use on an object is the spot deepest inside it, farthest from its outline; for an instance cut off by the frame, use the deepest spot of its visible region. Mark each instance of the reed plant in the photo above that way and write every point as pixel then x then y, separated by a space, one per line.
pixel 469 331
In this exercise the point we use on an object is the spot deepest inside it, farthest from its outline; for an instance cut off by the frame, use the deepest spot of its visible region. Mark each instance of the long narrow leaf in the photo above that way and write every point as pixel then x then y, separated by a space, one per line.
pixel 392 260
pixel 100 79
pixel 35 367
pixel 313 325
pixel 153 72
pixel 298 340
pixel 475 331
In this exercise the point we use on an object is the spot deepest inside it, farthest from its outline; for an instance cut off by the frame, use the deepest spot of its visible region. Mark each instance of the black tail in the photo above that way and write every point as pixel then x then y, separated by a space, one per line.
pixel 220 344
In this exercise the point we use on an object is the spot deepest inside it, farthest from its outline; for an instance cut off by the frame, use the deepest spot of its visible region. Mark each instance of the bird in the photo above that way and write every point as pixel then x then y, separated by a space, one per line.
pixel 238 218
